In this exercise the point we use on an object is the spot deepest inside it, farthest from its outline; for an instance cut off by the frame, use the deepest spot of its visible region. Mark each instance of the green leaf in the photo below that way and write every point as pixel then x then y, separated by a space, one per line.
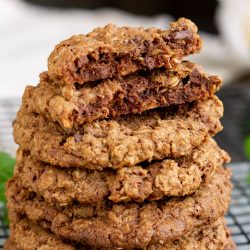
pixel 2 193
pixel 248 179
pixel 247 152
pixel 7 164
pixel 247 147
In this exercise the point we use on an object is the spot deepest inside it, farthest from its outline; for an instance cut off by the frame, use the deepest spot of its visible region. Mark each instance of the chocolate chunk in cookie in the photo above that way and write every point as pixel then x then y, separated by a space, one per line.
pixel 75 105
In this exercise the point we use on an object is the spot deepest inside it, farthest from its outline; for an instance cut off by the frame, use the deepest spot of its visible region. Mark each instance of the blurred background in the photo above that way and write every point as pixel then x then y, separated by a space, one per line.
pixel 29 30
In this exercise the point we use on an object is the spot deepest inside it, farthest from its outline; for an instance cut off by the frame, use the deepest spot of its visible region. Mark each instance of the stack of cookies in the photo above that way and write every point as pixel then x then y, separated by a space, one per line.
pixel 116 148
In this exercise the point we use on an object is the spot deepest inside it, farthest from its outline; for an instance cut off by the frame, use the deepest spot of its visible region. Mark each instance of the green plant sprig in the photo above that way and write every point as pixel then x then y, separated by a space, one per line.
pixel 247 152
pixel 7 164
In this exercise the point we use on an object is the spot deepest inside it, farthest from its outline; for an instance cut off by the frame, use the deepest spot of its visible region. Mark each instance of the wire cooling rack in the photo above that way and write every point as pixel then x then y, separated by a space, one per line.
pixel 4 230
pixel 236 100
pixel 238 217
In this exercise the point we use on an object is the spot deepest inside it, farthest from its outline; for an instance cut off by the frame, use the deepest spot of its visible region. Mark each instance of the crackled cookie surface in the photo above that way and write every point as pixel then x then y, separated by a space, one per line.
pixel 154 181
pixel 29 236
pixel 129 225
pixel 123 141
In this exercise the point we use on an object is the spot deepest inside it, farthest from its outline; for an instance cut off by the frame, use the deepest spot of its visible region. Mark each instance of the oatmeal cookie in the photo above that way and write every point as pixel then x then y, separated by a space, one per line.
pixel 121 142
pixel 128 225
pixel 154 181
pixel 113 51
pixel 74 105
pixel 29 236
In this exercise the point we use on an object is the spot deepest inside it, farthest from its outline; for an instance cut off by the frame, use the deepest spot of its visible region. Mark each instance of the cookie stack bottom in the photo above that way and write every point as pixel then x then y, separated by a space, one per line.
pixel 168 224
pixel 30 236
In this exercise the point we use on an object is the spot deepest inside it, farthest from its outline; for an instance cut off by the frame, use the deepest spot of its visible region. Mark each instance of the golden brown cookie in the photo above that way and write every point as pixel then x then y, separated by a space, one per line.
pixel 74 105
pixel 121 142
pixel 29 236
pixel 128 225
pixel 154 181
pixel 114 51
